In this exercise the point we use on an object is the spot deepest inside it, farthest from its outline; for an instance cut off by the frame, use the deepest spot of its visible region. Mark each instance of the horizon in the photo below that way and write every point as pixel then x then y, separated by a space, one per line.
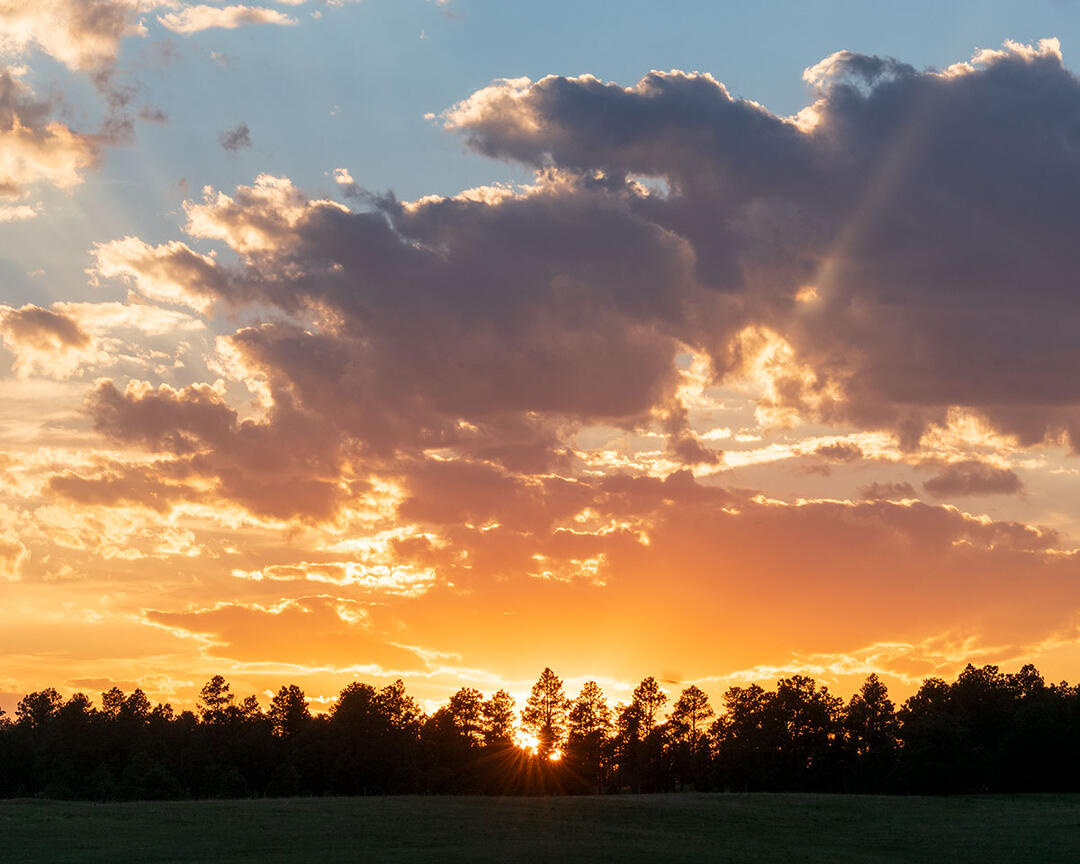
pixel 447 342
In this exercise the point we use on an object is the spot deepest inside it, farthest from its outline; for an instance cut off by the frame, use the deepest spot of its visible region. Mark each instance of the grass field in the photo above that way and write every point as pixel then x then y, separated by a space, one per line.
pixel 629 828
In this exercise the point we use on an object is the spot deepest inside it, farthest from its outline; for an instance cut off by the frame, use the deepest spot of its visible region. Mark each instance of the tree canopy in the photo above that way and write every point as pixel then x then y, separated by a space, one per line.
pixel 986 731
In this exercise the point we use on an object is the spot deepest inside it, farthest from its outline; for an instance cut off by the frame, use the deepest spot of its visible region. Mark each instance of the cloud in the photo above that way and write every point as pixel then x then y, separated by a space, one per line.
pixel 863 232
pixel 444 322
pixel 288 466
pixel 192 19
pixel 258 218
pixel 282 632
pixel 890 491
pixel 151 114
pixel 178 421
pixel 12 556
pixel 146 320
pixel 345 181
pixel 818 576
pixel 169 273
pixel 237 138
pixel 86 36
pixel 972 477
pixel 125 486
pixel 42 328
pixel 35 149
pixel 504 296
pixel 494 325
pixel 839 452
pixel 82 34
pixel 69 340
pixel 43 341
pixel 388 579
pixel 17 212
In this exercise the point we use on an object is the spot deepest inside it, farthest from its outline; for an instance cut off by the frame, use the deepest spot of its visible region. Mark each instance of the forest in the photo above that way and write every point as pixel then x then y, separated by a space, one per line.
pixel 987 731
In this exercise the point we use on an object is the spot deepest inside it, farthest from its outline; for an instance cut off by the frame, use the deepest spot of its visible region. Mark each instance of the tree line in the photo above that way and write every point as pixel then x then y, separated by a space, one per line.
pixel 985 731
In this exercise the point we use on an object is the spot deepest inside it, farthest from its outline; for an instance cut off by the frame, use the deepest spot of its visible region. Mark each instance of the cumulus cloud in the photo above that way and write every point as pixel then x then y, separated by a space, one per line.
pixel 972 477
pixel 192 19
pixel 237 138
pixel 819 255
pixel 43 328
pixel 864 232
pixel 263 217
pixel 833 242
pixel 169 273
pixel 444 322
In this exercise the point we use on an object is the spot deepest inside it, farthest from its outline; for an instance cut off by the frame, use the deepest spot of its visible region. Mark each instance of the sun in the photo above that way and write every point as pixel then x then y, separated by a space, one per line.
pixel 531 744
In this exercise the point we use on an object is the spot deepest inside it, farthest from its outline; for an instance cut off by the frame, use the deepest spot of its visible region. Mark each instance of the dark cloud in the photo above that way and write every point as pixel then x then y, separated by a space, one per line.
pixel 478 325
pixel 973 478
pixel 451 493
pixel 165 419
pixel 839 452
pixel 237 138
pixel 124 485
pixel 831 455
pixel 682 443
pixel 286 467
pixel 18 105
pixel 930 212
pixel 152 114
pixel 894 491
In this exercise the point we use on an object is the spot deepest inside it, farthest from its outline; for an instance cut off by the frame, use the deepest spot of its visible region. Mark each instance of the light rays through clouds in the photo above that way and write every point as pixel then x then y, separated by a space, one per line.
pixel 719 391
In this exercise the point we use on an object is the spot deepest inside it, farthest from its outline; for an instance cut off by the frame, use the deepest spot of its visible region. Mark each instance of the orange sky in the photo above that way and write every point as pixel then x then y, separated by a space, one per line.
pixel 719 396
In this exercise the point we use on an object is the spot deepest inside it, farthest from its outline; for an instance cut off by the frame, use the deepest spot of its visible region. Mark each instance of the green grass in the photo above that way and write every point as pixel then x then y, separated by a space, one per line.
pixel 626 828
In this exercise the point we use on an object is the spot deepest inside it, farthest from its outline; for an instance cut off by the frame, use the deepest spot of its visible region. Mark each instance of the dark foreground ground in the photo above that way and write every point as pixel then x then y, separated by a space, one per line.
pixel 626 828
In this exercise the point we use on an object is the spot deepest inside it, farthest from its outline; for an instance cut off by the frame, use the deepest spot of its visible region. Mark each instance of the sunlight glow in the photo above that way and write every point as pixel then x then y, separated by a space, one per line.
pixel 531 744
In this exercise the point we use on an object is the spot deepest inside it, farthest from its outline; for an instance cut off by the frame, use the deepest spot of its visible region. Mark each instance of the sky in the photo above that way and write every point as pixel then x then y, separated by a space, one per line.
pixel 447 341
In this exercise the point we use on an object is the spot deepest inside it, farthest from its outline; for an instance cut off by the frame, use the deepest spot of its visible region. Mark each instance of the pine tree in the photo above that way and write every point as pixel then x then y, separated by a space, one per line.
pixel 545 713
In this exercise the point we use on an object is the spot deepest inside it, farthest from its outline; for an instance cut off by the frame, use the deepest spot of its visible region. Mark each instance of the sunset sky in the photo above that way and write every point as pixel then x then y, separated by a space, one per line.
pixel 447 341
